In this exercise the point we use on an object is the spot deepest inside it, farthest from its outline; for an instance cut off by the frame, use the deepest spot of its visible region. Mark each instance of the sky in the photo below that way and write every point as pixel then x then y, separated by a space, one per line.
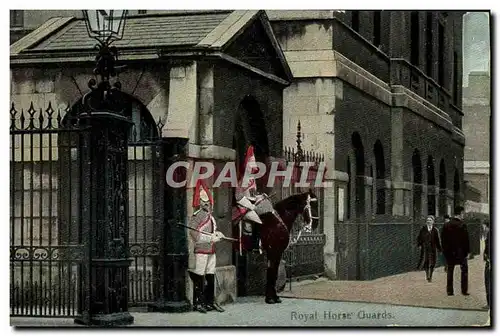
pixel 476 43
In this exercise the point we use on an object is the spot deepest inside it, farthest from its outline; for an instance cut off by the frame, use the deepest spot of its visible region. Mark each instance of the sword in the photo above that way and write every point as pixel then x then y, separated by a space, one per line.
pixel 205 233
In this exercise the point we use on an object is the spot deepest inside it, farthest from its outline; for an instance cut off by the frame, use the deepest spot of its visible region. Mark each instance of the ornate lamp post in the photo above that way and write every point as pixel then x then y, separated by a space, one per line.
pixel 104 299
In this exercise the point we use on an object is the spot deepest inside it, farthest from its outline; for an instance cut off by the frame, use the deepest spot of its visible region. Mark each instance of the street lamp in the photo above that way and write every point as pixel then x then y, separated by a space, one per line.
pixel 106 26
pixel 104 152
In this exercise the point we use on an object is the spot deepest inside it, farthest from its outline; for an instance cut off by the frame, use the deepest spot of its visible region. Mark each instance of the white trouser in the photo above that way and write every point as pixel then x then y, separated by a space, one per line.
pixel 204 264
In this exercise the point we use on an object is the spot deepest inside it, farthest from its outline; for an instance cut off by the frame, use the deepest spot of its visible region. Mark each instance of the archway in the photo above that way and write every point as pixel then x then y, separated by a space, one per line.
pixel 359 156
pixel 442 189
pixel 378 152
pixel 250 129
pixel 417 184
pixel 431 187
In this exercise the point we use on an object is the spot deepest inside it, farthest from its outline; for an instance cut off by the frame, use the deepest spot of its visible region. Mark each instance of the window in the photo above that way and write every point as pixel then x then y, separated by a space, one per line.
pixel 142 11
pixel 355 21
pixel 429 47
pixel 16 18
pixel 441 55
pixel 377 25
pixel 415 39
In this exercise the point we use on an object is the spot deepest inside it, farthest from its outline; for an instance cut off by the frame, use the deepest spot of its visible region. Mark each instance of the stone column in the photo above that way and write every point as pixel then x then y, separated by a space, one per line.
pixel 397 164
pixel 388 196
pixel 450 200
pixel 174 251
pixel 442 203
pixel 333 216
pixel 403 194
pixel 365 230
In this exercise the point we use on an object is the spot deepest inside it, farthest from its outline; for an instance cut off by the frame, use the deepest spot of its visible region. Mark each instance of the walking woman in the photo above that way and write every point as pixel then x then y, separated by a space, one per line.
pixel 428 241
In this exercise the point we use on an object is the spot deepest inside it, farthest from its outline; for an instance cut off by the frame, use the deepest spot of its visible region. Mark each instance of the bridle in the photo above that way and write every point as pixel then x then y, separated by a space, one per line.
pixel 307 227
pixel 307 207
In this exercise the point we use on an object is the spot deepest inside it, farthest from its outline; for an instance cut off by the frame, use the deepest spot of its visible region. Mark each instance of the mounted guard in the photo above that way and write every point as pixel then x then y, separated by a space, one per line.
pixel 203 231
pixel 247 203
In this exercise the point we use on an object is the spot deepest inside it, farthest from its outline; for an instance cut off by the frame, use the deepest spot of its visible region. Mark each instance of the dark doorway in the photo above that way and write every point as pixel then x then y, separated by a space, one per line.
pixel 250 129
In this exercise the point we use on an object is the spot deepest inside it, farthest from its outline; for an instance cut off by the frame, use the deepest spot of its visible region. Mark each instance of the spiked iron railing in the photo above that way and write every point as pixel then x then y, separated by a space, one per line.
pixel 305 258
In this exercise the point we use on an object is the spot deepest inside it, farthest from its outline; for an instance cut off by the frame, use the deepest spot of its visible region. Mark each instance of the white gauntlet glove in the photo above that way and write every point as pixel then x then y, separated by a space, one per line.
pixel 217 236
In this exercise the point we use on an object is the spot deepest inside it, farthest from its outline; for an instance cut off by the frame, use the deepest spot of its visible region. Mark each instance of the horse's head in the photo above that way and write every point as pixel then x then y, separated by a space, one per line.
pixel 305 205
pixel 310 209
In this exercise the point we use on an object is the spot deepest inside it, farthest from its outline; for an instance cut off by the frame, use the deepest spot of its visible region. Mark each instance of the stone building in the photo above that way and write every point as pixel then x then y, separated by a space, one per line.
pixel 203 85
pixel 477 117
pixel 379 93
pixel 477 110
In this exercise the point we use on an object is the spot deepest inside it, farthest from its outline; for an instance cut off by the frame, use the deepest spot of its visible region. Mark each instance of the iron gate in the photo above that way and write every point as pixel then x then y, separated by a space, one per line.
pixel 146 191
pixel 48 211
pixel 46 249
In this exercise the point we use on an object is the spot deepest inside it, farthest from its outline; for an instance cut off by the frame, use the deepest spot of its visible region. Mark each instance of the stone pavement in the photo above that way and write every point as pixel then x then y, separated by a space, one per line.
pixel 409 289
pixel 253 312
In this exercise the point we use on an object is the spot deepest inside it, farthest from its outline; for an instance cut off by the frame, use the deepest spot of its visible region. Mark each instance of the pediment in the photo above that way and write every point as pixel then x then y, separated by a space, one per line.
pixel 257 47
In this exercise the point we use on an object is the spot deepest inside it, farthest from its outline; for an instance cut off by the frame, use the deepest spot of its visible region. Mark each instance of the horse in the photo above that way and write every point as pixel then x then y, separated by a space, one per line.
pixel 275 233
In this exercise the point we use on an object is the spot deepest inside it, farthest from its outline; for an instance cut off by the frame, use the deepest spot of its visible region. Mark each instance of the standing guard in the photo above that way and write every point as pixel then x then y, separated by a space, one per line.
pixel 204 234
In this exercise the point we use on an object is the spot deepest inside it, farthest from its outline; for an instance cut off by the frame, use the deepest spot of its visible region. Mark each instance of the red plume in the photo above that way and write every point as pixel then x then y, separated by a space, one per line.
pixel 196 197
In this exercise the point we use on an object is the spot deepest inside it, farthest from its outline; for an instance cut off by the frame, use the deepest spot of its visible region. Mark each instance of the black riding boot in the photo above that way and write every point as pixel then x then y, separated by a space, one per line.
pixel 210 294
pixel 271 296
pixel 431 270
pixel 269 292
pixel 198 299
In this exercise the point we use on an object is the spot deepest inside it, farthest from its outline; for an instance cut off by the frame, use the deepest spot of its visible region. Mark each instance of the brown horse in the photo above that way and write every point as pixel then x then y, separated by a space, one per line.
pixel 275 233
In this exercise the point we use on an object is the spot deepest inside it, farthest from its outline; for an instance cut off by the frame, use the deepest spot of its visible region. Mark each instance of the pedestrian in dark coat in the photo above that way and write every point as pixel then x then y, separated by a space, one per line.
pixel 455 242
pixel 428 240
pixel 487 266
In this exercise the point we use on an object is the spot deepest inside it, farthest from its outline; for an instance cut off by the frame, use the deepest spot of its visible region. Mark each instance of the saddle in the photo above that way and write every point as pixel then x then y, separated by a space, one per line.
pixel 249 231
